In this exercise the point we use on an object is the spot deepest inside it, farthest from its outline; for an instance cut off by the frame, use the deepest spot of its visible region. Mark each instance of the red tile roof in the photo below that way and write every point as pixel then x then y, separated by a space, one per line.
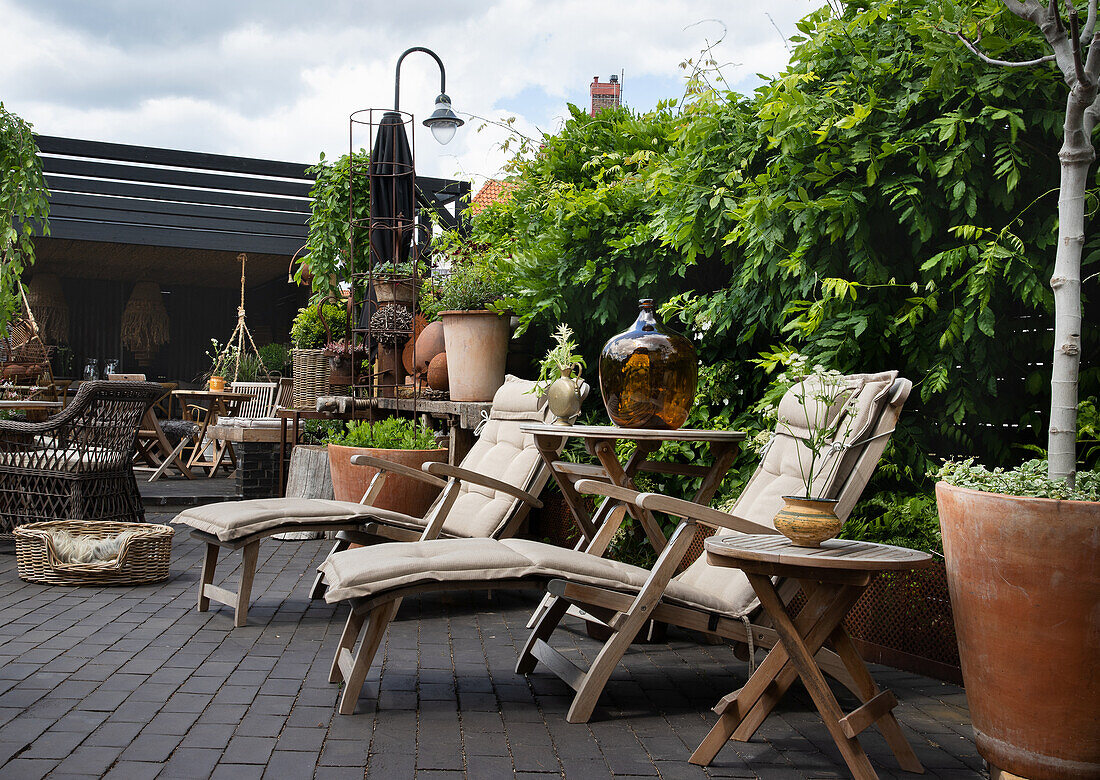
pixel 493 191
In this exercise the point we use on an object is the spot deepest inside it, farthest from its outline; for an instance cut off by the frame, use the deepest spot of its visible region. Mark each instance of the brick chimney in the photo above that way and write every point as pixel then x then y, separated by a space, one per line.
pixel 605 94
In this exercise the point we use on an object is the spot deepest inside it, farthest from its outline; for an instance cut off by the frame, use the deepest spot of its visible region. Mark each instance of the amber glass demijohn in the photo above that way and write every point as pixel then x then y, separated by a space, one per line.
pixel 648 374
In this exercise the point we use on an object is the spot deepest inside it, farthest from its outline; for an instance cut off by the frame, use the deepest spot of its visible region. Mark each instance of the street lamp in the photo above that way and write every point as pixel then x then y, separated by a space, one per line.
pixel 443 122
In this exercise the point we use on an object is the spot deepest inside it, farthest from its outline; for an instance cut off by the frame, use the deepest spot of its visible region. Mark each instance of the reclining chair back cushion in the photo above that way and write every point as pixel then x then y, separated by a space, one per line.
pixel 779 474
pixel 503 452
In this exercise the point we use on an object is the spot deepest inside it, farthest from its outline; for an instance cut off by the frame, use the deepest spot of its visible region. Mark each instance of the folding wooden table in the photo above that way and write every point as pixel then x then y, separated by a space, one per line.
pixel 833 577
pixel 600 441
pixel 219 403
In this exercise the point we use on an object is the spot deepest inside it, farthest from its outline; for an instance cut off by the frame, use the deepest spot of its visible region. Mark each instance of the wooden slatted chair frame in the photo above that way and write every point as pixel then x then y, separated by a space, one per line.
pixel 368 526
pixel 624 608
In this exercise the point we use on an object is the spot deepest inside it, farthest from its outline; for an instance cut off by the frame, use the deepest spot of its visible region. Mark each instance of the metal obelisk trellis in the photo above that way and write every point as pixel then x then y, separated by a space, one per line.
pixel 391 279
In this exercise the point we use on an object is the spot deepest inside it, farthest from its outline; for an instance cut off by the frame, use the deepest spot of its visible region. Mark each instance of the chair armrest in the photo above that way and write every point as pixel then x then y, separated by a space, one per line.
pixel 601 488
pixel 396 468
pixel 655 502
pixel 465 475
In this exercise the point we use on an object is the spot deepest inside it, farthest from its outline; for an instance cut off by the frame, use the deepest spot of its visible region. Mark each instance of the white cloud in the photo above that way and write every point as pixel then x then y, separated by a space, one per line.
pixel 261 79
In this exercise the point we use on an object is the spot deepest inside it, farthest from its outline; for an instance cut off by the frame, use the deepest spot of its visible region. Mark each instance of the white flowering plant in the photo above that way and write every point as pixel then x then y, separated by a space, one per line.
pixel 817 389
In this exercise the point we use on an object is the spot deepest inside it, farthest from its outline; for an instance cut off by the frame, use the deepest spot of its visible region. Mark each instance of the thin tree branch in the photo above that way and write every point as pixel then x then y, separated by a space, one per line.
pixel 1003 63
pixel 1053 13
pixel 1090 23
pixel 1075 43
pixel 1092 61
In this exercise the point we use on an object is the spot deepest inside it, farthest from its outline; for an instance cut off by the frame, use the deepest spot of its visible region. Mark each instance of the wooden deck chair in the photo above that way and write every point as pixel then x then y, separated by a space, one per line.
pixel 705 598
pixel 260 406
pixel 488 495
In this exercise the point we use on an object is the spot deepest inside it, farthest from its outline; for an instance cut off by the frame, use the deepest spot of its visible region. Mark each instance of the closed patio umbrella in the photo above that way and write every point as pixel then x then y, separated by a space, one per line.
pixel 392 198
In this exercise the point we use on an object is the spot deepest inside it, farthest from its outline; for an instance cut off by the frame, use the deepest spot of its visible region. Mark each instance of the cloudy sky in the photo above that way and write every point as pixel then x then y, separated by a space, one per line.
pixel 278 78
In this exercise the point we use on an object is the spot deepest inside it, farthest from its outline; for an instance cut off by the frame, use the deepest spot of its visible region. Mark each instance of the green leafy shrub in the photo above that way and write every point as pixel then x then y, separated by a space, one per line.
pixel 308 330
pixel 1027 479
pixel 24 208
pixel 900 519
pixel 476 280
pixel 392 433
pixel 275 357
pixel 319 431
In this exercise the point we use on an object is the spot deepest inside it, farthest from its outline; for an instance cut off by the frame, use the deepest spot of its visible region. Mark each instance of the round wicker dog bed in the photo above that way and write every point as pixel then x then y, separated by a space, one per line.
pixel 144 557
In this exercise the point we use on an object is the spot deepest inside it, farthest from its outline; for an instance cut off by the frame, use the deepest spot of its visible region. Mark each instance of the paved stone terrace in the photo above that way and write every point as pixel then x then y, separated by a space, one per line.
pixel 134 683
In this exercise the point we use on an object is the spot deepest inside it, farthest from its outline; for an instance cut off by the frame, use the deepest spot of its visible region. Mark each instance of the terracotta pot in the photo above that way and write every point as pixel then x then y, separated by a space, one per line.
pixel 438 378
pixel 400 494
pixel 1024 577
pixel 215 384
pixel 428 344
pixel 808 522
pixel 477 348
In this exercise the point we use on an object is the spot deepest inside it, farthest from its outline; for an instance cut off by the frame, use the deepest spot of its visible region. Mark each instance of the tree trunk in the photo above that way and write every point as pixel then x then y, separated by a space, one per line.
pixel 1076 157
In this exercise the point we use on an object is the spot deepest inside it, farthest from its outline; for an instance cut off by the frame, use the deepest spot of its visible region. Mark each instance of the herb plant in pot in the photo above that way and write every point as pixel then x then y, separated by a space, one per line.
pixel 560 377
pixel 475 331
pixel 396 439
pixel 813 413
pixel 1023 569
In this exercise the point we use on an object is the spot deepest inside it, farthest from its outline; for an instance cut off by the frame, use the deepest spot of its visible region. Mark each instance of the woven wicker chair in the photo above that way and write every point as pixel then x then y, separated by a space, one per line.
pixel 76 465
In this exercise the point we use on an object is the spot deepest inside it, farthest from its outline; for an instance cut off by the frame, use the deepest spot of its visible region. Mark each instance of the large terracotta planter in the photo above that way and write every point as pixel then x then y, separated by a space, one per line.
pixel 400 494
pixel 477 348
pixel 1024 577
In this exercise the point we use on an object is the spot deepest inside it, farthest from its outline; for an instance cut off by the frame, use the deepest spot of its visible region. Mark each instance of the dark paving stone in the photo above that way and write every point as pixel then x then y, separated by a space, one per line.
pixel 133 683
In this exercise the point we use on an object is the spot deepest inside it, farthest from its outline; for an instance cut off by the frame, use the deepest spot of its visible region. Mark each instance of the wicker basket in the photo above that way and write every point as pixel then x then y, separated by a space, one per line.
pixel 310 377
pixel 144 556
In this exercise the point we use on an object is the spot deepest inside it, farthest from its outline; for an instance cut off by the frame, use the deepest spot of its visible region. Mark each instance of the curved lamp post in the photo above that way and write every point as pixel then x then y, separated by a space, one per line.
pixel 443 122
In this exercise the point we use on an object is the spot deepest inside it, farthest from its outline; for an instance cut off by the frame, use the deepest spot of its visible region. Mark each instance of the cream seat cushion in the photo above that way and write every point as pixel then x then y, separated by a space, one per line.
pixel 372 571
pixel 230 520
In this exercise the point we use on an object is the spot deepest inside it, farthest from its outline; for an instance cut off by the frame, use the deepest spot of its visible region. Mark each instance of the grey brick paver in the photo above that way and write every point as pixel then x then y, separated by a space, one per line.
pixel 133 682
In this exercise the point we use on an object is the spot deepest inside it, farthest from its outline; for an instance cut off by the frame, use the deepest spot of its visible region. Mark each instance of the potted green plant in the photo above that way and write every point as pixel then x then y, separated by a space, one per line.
pixel 397 439
pixel 222 360
pixel 312 329
pixel 1023 569
pixel 560 376
pixel 475 329
pixel 815 421
pixel 397 283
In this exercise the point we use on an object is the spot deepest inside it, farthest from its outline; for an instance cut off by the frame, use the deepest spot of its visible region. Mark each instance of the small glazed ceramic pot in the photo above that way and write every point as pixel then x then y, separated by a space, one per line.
pixel 808 522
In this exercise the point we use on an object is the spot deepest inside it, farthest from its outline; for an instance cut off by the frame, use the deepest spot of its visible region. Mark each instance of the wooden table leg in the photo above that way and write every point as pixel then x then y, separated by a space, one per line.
pixel 604 450
pixel 771 679
pixel 802 658
pixel 282 456
pixel 548 449
pixel 869 690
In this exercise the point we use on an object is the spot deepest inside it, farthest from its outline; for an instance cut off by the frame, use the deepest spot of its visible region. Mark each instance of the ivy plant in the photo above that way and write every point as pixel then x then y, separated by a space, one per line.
pixel 24 208
pixel 335 185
